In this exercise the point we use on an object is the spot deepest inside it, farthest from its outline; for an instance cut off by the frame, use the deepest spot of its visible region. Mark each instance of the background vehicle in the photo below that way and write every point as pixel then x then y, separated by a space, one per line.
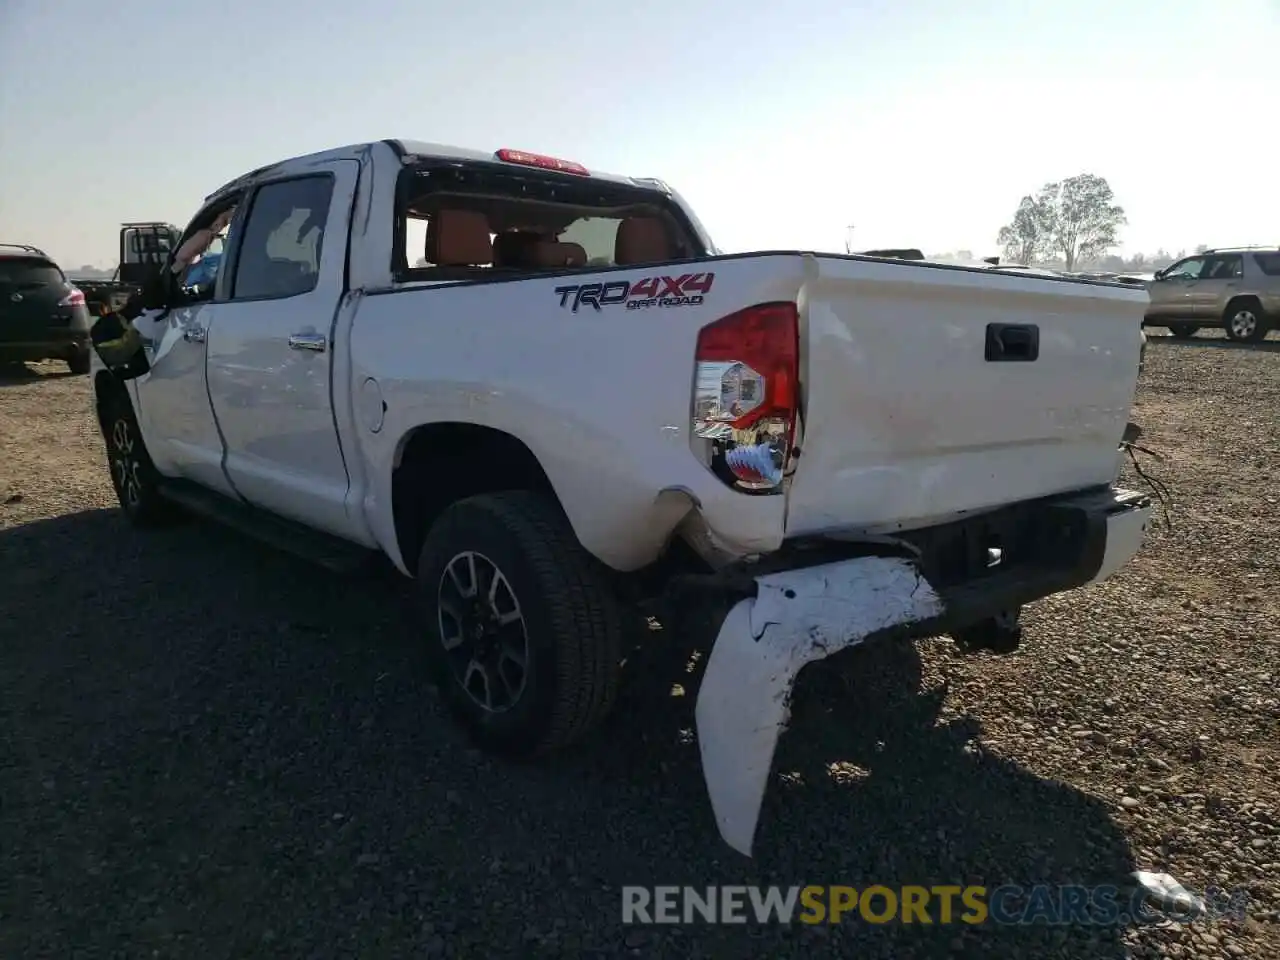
pixel 405 350
pixel 143 247
pixel 1236 288
pixel 42 314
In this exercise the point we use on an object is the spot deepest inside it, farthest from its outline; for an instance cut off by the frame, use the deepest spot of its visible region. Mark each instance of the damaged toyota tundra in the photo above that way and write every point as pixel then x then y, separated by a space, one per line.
pixel 545 396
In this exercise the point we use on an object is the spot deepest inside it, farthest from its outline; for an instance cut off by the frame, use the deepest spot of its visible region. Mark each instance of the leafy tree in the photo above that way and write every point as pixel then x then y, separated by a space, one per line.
pixel 1026 239
pixel 1076 219
pixel 1082 216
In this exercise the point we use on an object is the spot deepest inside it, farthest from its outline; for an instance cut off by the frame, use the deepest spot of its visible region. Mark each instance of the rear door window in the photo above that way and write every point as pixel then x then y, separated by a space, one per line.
pixel 1227 266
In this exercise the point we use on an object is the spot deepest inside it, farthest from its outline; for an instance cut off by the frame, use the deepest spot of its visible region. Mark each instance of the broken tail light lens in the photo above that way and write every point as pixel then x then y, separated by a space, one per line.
pixel 745 400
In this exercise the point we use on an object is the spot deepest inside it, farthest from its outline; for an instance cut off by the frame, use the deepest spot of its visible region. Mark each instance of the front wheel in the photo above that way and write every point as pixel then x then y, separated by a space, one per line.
pixel 134 476
pixel 1183 331
pixel 1244 322
pixel 523 630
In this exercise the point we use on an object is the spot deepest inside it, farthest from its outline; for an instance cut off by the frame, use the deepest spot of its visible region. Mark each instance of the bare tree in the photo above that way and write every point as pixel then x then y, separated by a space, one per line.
pixel 1082 217
pixel 1026 239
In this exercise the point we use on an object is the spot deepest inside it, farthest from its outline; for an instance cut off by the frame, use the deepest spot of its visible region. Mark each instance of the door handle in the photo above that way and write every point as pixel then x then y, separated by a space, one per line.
pixel 1012 343
pixel 193 335
pixel 316 342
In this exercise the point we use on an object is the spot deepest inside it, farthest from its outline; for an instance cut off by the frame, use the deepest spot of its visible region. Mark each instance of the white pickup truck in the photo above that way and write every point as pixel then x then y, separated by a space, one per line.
pixel 539 389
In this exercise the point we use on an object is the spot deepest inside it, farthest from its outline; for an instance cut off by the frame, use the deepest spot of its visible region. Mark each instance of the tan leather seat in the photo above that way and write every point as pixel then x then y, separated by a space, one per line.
pixel 641 240
pixel 514 249
pixel 553 254
pixel 458 238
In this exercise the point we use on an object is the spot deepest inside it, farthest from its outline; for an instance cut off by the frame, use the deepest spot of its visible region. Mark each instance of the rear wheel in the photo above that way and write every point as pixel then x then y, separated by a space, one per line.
pixel 78 362
pixel 1184 331
pixel 523 630
pixel 1244 322
pixel 134 476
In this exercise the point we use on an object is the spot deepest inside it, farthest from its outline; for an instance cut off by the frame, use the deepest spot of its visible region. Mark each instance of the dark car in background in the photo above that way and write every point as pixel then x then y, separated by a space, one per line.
pixel 42 314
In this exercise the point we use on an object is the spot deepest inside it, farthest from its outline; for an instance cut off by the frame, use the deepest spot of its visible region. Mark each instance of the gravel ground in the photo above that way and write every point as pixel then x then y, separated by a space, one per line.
pixel 210 750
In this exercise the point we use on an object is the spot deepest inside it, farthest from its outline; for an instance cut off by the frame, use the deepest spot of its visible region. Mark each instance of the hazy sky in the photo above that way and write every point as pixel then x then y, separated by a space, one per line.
pixel 921 122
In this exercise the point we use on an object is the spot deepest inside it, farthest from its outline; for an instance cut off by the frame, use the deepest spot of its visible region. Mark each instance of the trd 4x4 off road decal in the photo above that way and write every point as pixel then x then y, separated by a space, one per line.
pixel 686 290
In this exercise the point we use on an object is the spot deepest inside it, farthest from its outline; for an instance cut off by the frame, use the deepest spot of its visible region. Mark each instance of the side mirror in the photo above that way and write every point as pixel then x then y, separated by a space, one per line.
pixel 1159 274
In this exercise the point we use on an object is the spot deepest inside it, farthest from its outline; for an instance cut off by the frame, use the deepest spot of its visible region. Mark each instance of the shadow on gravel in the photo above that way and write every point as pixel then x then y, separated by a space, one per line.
pixel 1219 343
pixel 212 749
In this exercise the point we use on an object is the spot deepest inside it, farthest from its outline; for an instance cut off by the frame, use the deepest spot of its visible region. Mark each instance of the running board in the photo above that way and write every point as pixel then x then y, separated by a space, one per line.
pixel 327 551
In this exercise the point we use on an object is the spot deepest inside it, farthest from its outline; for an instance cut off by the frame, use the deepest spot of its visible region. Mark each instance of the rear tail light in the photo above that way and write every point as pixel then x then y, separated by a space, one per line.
pixel 746 395
pixel 73 299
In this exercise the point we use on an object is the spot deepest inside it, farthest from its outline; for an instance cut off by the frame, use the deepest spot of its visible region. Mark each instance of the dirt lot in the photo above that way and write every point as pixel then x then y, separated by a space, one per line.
pixel 211 750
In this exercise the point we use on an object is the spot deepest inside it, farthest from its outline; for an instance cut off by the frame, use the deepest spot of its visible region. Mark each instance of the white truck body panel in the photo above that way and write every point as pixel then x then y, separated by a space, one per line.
pixel 176 419
pixel 603 402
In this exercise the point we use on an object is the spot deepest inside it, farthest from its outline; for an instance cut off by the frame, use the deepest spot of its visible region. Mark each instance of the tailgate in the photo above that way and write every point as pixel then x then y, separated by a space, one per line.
pixel 931 391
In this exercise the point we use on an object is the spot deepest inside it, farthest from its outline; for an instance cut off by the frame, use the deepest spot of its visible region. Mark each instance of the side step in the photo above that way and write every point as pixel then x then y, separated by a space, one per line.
pixel 328 551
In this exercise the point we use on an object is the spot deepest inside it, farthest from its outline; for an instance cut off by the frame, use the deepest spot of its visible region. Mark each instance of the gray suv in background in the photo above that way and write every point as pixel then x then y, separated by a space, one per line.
pixel 1236 288
pixel 42 314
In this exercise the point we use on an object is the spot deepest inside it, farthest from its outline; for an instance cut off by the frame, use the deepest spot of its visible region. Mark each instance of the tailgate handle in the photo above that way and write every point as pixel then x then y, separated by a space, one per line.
pixel 1013 342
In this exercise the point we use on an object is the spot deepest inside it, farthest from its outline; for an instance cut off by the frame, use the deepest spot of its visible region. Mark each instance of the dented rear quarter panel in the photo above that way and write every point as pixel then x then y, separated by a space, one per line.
pixel 600 394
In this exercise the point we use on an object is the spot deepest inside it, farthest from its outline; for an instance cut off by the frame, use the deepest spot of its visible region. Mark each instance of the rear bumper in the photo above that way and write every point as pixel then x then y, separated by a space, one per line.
pixel 806 612
pixel 1053 546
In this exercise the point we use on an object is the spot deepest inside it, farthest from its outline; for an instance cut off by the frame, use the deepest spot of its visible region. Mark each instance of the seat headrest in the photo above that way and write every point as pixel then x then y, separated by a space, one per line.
pixel 641 240
pixel 458 238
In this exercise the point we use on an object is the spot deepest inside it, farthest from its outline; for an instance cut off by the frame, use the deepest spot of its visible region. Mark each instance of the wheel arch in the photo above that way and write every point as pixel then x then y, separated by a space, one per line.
pixel 1241 299
pixel 437 464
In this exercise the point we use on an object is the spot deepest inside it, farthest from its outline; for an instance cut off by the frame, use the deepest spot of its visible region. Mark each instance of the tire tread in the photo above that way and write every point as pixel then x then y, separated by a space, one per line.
pixel 585 616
